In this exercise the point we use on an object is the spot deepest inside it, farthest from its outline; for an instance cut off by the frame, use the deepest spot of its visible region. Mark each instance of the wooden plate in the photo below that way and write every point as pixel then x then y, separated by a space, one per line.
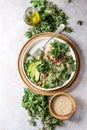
pixel 24 77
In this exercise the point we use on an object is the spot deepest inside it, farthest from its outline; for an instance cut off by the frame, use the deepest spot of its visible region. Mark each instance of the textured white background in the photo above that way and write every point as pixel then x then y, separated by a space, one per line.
pixel 12 29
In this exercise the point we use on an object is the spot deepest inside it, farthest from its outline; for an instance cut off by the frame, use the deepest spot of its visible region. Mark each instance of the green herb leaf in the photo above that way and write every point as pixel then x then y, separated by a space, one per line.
pixel 37 106
pixel 45 66
pixel 59 49
pixel 69 1
pixel 38 3
pixel 32 122
pixel 79 22
pixel 72 63
pixel 68 29
pixel 51 18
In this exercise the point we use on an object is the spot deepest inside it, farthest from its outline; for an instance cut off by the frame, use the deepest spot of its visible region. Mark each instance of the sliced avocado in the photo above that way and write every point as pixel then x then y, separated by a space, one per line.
pixel 32 70
pixel 37 74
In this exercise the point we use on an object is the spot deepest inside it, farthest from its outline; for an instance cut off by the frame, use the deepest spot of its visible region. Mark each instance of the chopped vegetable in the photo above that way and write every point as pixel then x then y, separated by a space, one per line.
pixel 50 18
pixel 45 66
pixel 59 49
pixel 68 29
pixel 38 3
pixel 80 22
pixel 37 106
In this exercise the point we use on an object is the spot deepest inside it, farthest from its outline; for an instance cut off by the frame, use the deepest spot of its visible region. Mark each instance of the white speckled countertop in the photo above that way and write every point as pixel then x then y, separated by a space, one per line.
pixel 12 29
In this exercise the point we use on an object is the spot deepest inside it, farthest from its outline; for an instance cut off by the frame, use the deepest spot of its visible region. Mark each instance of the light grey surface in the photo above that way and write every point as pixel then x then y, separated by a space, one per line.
pixel 12 28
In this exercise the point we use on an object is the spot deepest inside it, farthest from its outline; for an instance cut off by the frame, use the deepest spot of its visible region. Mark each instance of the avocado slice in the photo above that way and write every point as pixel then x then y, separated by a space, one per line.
pixel 37 74
pixel 32 70
pixel 30 66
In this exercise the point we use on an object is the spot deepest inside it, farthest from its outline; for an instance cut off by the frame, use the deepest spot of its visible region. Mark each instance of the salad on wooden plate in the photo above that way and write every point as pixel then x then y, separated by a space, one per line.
pixel 52 67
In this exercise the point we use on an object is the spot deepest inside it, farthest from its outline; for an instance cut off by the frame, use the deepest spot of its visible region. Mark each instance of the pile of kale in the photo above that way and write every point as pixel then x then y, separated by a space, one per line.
pixel 51 17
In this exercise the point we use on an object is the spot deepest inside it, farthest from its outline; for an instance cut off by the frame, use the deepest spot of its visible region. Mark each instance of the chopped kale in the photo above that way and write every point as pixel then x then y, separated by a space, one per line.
pixel 37 106
pixel 69 1
pixel 79 22
pixel 51 18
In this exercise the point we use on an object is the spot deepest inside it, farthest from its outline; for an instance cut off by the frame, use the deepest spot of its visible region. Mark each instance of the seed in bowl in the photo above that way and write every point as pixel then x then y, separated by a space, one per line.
pixel 52 67
pixel 62 105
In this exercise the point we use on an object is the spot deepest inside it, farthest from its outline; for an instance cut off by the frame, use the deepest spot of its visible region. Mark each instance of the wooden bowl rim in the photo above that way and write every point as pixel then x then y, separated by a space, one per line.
pixel 62 117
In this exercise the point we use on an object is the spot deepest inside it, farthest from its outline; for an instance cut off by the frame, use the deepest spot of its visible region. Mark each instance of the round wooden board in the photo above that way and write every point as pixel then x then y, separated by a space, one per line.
pixel 51 92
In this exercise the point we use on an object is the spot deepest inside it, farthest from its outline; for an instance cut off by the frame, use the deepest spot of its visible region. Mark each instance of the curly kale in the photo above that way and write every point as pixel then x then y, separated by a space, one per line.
pixel 37 106
pixel 51 18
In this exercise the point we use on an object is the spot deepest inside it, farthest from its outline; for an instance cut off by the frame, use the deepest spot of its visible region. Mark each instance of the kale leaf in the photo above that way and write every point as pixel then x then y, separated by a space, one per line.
pixel 37 106
pixel 51 18
pixel 59 49
pixel 79 22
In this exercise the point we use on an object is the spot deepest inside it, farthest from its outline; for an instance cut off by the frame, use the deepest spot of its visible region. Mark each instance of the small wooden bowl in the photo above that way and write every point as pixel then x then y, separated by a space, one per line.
pixel 51 106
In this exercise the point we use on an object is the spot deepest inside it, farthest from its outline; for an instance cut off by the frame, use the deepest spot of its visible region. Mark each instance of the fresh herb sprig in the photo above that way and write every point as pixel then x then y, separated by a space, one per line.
pixel 38 3
pixel 37 106
pixel 69 1
pixel 79 22
pixel 59 49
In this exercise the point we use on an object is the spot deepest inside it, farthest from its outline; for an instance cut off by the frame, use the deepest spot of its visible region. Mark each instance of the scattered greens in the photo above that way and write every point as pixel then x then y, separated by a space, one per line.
pixel 51 17
pixel 37 107
pixel 38 3
pixel 69 1
pixel 79 22
pixel 59 49
pixel 51 67
pixel 68 29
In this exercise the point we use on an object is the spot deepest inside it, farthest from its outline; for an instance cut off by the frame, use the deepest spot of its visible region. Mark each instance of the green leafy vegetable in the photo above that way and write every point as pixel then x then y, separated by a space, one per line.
pixel 69 1
pixel 72 63
pixel 79 22
pixel 51 17
pixel 45 66
pixel 68 29
pixel 37 106
pixel 59 49
pixel 38 3
pixel 32 121
pixel 65 76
